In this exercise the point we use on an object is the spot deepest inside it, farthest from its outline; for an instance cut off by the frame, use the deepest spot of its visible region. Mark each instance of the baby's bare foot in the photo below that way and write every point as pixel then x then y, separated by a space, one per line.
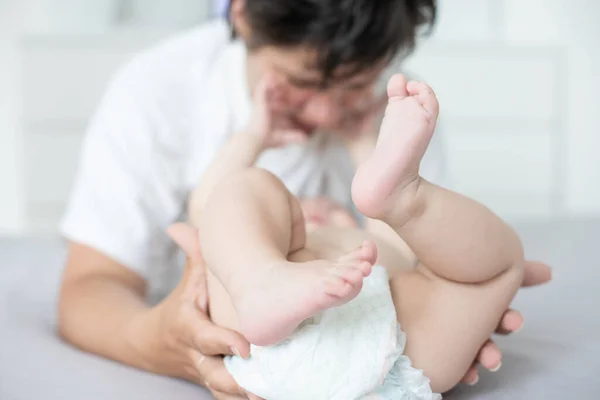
pixel 387 182
pixel 279 298
pixel 367 251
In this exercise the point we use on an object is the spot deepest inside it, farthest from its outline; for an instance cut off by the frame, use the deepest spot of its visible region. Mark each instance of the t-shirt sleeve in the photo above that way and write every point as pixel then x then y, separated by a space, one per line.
pixel 125 191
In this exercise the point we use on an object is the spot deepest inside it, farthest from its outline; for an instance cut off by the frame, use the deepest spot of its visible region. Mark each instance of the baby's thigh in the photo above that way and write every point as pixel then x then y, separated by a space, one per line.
pixel 446 323
pixel 222 312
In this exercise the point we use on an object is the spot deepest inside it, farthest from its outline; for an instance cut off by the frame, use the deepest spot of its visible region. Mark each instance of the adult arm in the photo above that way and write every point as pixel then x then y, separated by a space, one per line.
pixel 126 193
pixel 102 311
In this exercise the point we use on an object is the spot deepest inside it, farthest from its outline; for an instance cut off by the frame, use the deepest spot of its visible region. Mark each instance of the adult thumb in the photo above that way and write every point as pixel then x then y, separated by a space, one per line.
pixel 186 237
pixel 193 283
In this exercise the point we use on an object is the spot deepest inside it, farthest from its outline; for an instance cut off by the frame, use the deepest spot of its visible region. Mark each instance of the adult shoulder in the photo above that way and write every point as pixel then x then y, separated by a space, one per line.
pixel 174 65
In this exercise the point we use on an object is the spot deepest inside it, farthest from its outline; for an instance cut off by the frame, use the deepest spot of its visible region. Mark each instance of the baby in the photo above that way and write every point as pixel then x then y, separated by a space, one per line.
pixel 269 274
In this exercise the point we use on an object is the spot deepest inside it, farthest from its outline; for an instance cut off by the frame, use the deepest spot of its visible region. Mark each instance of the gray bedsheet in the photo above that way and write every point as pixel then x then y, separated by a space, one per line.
pixel 555 356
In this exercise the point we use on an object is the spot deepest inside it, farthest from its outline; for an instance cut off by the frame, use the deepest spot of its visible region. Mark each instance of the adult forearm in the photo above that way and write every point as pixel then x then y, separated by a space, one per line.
pixel 100 315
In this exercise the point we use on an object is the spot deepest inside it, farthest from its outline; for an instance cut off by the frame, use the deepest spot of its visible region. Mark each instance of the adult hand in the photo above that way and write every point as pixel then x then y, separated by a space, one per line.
pixel 490 356
pixel 187 343
pixel 200 349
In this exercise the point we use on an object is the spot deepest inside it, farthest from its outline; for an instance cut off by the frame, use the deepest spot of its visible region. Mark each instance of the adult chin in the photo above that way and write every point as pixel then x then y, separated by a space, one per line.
pixel 345 133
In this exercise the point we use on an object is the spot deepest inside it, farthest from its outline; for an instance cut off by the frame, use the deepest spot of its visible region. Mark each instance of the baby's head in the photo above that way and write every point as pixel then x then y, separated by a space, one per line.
pixel 321 212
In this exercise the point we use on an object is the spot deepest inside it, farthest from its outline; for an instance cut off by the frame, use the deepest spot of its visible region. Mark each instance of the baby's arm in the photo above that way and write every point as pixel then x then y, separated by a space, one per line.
pixel 237 154
pixel 241 151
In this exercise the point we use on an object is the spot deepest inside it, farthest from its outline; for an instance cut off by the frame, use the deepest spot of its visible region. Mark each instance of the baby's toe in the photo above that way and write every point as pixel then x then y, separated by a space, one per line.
pixel 415 87
pixel 369 251
pixel 424 94
pixel 351 273
pixel 337 286
pixel 365 268
pixel 396 87
pixel 429 102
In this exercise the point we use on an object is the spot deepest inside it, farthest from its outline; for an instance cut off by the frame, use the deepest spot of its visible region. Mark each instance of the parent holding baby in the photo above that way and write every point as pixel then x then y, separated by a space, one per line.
pixel 160 123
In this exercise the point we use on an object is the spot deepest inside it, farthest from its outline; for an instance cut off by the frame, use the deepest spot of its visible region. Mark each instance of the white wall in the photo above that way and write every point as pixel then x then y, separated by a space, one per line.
pixel 575 25
pixel 517 79
pixel 572 27
pixel 11 179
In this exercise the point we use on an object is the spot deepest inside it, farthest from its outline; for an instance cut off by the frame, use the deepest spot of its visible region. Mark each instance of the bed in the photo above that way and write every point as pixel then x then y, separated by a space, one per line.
pixel 555 356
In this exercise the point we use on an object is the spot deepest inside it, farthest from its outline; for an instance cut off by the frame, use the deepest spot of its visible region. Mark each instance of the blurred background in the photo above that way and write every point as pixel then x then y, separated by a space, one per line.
pixel 517 80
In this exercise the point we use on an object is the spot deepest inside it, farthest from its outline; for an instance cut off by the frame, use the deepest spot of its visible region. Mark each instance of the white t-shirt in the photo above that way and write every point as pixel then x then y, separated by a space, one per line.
pixel 157 128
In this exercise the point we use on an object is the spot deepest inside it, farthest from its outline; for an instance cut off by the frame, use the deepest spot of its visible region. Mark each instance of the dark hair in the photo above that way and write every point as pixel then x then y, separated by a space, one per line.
pixel 357 34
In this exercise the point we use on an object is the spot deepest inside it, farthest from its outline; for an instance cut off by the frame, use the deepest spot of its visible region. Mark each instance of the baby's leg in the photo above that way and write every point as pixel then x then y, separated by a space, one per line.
pixel 458 238
pixel 470 260
pixel 248 227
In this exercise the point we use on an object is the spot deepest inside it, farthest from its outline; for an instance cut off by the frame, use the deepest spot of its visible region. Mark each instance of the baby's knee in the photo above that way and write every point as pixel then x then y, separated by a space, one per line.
pixel 507 263
pixel 261 178
pixel 251 179
pixel 513 278
pixel 257 184
pixel 237 186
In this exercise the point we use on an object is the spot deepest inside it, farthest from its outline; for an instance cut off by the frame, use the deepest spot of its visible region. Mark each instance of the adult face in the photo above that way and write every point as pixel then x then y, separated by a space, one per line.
pixel 299 95
pixel 323 79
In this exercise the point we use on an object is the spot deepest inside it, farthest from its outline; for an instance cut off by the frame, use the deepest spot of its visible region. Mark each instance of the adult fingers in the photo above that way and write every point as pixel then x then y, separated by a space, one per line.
pixel 536 273
pixel 225 396
pixel 194 278
pixel 511 321
pixel 490 356
pixel 471 376
pixel 192 285
pixel 195 290
pixel 186 237
pixel 212 340
pixel 215 376
pixel 217 379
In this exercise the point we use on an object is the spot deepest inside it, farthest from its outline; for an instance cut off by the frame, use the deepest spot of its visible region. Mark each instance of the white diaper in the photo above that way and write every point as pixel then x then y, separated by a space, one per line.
pixel 345 353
